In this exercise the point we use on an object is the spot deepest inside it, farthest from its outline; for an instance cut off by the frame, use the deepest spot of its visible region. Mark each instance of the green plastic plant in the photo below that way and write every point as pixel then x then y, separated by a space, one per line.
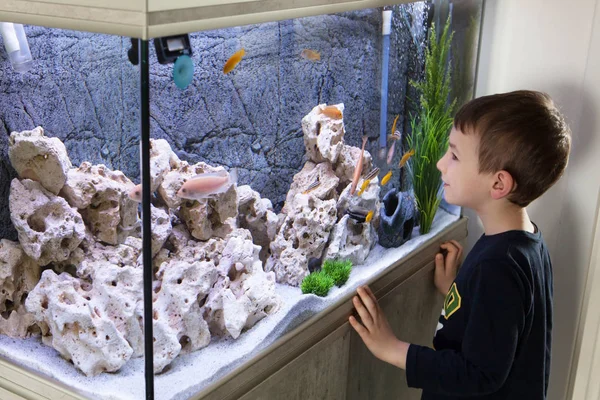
pixel 430 127
pixel 318 283
pixel 338 270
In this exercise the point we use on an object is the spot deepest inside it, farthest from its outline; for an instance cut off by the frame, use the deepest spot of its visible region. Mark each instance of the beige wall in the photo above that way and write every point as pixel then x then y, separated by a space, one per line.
pixel 546 45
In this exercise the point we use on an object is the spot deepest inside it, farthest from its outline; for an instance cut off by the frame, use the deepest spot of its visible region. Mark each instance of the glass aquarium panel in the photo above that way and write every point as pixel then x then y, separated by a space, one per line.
pixel 257 133
pixel 70 266
pixel 278 186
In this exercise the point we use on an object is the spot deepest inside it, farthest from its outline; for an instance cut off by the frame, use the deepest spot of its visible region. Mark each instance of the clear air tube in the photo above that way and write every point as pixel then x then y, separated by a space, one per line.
pixel 15 43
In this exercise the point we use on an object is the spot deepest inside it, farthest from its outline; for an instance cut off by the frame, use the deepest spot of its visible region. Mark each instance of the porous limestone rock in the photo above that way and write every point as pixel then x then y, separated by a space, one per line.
pixel 323 136
pixel 256 215
pixel 347 161
pixel 178 323
pixel 161 228
pixel 303 235
pixel 48 228
pixel 311 172
pixel 351 240
pixel 40 158
pixel 18 276
pixel 81 328
pixel 101 195
pixel 244 292
pixel 162 160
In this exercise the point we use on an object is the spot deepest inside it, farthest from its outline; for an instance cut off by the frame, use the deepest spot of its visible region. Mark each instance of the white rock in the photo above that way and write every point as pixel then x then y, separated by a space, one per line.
pixel 101 195
pixel 162 160
pixel 309 174
pixel 40 158
pixel 48 228
pixel 351 240
pixel 177 307
pixel 161 228
pixel 80 329
pixel 18 276
pixel 256 215
pixel 369 200
pixel 323 136
pixel 303 235
pixel 244 293
pixel 347 161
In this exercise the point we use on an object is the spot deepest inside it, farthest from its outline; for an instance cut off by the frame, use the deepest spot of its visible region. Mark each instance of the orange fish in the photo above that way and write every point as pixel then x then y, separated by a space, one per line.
pixel 135 193
pixel 332 112
pixel 311 55
pixel 394 124
pixel 358 168
pixel 233 61
pixel 204 185
pixel 369 216
pixel 405 157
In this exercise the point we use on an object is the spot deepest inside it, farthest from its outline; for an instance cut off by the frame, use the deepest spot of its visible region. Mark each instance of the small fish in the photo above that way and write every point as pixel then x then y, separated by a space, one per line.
pixel 135 193
pixel 406 156
pixel 332 112
pixel 312 186
pixel 359 214
pixel 233 61
pixel 359 167
pixel 369 216
pixel 386 178
pixel 364 186
pixel 204 185
pixel 374 172
pixel 394 124
pixel 311 55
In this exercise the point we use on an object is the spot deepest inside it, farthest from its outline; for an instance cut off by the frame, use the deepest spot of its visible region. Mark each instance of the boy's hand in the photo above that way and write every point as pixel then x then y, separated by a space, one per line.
pixel 375 330
pixel 447 268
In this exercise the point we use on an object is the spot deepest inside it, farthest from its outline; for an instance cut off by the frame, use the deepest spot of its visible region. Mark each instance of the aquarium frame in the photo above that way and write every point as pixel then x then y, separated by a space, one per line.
pixel 145 19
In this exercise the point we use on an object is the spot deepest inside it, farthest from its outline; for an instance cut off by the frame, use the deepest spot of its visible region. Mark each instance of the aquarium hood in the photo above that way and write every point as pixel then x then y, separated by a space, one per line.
pixel 146 19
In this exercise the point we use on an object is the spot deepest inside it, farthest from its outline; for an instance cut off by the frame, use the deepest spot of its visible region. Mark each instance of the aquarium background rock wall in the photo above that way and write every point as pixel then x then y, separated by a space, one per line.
pixel 84 91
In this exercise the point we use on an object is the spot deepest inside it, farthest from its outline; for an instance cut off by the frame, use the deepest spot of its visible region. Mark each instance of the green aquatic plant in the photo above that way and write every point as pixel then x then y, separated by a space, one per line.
pixel 338 270
pixel 317 283
pixel 430 127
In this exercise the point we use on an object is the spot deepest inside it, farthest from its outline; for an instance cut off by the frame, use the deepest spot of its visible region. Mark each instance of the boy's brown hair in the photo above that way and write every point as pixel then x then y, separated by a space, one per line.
pixel 523 133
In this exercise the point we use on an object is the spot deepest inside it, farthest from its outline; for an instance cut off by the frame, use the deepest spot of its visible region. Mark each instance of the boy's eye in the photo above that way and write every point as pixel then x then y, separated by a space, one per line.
pixel 454 157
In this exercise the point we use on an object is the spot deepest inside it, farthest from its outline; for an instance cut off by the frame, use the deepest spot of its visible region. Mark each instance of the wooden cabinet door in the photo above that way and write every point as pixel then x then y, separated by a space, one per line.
pixel 318 373
pixel 412 308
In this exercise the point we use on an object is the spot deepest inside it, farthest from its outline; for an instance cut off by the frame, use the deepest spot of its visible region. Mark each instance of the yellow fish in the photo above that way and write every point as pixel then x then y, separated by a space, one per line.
pixel 364 186
pixel 233 61
pixel 394 124
pixel 311 55
pixel 332 112
pixel 405 157
pixel 369 216
pixel 386 178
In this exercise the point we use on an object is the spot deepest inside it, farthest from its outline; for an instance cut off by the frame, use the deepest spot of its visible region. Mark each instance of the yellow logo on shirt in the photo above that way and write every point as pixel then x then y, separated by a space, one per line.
pixel 452 303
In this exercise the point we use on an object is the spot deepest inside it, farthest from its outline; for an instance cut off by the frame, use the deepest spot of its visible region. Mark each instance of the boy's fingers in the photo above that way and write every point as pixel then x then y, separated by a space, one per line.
pixel 368 302
pixel 370 293
pixel 358 327
pixel 363 313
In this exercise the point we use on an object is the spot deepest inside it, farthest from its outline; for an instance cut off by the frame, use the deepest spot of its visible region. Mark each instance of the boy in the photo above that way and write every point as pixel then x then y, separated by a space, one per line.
pixel 493 337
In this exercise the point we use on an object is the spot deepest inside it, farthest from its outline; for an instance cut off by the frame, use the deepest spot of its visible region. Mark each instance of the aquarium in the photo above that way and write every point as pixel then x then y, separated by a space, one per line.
pixel 285 168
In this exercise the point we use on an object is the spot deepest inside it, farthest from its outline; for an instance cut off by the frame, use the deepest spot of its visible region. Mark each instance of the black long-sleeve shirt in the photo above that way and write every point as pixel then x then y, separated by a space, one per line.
pixel 494 335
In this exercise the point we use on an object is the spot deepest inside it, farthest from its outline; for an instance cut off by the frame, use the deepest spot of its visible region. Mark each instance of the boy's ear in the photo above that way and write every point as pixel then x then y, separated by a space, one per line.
pixel 503 185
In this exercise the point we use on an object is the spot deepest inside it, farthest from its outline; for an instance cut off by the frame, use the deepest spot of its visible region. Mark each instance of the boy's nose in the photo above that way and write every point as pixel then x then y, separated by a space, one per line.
pixel 440 164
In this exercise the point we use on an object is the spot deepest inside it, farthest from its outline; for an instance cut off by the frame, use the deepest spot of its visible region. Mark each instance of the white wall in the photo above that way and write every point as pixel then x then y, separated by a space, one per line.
pixel 546 45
